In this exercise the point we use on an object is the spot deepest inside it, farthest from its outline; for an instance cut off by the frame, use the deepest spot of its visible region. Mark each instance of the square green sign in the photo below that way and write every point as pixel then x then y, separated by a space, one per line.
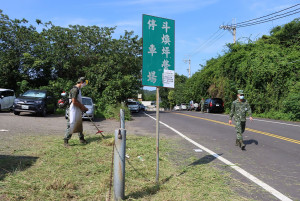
pixel 158 52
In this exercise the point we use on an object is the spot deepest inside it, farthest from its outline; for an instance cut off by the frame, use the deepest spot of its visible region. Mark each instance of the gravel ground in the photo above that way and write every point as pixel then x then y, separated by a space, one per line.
pixel 13 127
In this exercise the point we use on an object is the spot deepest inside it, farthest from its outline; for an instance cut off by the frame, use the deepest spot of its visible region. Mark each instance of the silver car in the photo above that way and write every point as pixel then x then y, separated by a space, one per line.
pixel 88 103
pixel 133 106
pixel 7 97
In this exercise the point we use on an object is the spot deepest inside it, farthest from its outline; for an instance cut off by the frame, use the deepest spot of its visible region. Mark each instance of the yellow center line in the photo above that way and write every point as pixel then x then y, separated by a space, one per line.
pixel 248 129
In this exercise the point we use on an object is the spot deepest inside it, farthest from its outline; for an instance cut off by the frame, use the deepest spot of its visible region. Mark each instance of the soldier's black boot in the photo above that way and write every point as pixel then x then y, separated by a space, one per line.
pixel 66 143
pixel 242 145
pixel 82 140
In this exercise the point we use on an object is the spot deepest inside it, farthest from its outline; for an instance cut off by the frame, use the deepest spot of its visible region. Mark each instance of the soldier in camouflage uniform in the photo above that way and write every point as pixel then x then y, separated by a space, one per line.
pixel 74 124
pixel 239 109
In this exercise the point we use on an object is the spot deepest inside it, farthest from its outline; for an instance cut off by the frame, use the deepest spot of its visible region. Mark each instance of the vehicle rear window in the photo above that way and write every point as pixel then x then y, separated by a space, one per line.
pixel 132 103
pixel 217 100
pixel 87 101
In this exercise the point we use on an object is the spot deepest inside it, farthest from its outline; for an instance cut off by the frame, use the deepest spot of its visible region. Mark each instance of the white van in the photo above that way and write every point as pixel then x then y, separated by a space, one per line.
pixel 7 98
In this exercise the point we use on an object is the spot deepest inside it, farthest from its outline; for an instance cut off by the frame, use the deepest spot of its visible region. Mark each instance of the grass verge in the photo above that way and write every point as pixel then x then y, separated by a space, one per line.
pixel 43 169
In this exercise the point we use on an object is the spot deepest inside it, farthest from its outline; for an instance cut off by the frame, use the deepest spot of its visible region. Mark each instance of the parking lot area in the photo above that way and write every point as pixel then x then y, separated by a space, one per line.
pixel 14 126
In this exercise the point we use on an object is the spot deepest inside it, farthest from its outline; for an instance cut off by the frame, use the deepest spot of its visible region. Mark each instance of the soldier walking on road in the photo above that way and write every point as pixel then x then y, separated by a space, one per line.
pixel 239 109
pixel 74 124
pixel 202 105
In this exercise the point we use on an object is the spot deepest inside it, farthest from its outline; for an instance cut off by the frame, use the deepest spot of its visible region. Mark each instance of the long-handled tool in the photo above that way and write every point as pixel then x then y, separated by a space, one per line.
pixel 99 131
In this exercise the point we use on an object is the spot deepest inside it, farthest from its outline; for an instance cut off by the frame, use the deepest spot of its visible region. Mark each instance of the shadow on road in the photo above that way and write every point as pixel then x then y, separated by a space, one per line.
pixel 11 164
pixel 246 142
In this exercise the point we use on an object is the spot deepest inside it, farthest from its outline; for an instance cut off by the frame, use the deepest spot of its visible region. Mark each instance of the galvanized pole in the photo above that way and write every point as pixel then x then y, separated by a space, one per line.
pixel 157 135
pixel 122 118
pixel 119 160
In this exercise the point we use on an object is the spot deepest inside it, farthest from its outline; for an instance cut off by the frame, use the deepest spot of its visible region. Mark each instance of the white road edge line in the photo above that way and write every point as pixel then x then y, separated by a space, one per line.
pixel 230 164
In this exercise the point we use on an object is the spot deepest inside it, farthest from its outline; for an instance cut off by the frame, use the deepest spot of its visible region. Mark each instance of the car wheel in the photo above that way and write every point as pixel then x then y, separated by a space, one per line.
pixel 44 112
pixel 16 113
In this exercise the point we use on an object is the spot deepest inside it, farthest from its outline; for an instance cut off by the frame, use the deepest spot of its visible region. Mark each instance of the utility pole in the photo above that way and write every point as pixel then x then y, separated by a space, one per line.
pixel 189 61
pixel 231 28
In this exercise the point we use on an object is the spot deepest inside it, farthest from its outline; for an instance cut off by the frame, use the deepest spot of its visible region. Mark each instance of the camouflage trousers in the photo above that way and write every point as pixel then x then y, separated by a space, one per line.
pixel 240 128
pixel 68 135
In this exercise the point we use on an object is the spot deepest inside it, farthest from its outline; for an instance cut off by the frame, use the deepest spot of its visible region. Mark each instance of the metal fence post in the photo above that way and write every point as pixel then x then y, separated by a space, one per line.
pixel 119 160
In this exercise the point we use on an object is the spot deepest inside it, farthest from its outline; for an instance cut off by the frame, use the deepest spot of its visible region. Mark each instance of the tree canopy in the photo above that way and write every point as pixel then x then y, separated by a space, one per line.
pixel 55 57
pixel 267 70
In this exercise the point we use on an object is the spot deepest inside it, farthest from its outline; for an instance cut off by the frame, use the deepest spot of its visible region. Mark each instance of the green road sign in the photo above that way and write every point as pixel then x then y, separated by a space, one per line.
pixel 158 52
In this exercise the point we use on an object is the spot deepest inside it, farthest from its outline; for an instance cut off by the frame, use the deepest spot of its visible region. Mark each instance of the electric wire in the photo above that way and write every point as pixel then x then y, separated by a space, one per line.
pixel 216 39
pixel 267 15
pixel 209 43
pixel 269 19
pixel 263 19
pixel 205 42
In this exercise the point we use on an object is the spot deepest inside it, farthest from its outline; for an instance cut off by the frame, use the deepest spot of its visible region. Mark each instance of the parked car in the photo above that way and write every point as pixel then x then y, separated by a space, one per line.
pixel 196 107
pixel 177 107
pixel 38 102
pixel 183 106
pixel 142 107
pixel 7 97
pixel 214 105
pixel 89 104
pixel 133 106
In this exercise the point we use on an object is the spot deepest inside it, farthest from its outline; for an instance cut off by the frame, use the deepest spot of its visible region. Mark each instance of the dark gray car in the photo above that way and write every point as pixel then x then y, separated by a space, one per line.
pixel 38 102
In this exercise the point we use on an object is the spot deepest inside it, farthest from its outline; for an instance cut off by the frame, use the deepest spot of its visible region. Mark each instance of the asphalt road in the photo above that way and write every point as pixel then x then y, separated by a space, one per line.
pixel 272 147
pixel 272 151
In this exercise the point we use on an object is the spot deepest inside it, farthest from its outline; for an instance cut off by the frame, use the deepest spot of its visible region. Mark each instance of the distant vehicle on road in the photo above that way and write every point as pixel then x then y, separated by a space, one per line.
pixel 7 97
pixel 183 106
pixel 177 107
pixel 142 107
pixel 196 107
pixel 133 106
pixel 34 101
pixel 214 105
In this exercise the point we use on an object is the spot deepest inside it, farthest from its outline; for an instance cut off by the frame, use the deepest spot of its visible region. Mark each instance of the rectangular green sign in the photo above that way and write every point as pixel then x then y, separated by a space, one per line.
pixel 158 52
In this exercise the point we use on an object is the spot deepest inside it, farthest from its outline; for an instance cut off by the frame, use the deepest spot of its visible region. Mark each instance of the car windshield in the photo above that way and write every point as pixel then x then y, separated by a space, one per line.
pixel 36 94
pixel 132 103
pixel 87 101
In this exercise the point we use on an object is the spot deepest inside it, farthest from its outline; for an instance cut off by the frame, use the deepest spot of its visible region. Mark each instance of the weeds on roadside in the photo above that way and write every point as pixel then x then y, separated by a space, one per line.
pixel 50 171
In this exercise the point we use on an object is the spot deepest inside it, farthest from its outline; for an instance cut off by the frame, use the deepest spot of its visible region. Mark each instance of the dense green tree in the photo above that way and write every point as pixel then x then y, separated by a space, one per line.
pixel 55 57
pixel 267 69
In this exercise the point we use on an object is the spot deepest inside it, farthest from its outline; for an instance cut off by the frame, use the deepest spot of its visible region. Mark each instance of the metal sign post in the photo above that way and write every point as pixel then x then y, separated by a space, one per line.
pixel 158 61
pixel 157 135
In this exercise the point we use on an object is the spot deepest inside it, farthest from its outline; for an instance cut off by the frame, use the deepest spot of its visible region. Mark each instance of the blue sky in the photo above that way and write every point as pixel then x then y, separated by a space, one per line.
pixel 195 20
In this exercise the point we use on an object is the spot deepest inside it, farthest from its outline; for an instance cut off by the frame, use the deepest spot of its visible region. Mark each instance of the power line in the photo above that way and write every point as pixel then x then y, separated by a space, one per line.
pixel 214 41
pixel 204 43
pixel 267 15
pixel 260 20
pixel 269 19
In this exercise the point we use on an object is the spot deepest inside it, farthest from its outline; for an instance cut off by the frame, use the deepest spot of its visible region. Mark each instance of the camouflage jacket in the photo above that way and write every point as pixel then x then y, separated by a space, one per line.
pixel 239 110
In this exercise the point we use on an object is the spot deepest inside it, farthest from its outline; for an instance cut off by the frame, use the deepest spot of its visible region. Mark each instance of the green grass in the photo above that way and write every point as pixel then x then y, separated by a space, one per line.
pixel 43 169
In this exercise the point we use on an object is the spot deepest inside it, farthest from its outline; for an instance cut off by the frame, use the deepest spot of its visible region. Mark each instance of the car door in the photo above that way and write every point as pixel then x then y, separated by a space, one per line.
pixel 5 100
pixel 12 98
pixel 49 102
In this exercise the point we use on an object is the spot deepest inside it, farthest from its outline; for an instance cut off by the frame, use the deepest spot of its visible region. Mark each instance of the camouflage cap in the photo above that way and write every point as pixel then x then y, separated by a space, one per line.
pixel 82 79
pixel 240 91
